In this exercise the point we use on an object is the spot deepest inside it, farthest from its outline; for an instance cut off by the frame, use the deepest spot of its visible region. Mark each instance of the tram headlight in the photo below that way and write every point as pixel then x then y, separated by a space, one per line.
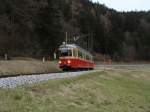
pixel 68 61
pixel 59 62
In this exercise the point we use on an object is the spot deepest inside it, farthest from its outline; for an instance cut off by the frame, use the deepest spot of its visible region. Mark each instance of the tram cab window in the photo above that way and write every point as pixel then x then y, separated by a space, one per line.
pixel 65 53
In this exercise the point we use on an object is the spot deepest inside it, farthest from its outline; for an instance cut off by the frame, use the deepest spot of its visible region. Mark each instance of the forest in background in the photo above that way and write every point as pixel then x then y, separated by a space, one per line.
pixel 36 28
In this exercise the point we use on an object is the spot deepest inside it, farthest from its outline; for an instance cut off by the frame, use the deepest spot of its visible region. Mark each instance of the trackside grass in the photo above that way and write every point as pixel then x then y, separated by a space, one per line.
pixel 106 91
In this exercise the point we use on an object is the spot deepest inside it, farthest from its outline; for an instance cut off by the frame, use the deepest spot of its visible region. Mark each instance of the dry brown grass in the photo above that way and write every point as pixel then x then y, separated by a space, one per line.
pixel 21 67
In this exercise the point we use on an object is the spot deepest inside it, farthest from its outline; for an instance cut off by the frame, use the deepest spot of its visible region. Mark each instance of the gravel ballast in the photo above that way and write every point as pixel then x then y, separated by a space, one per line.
pixel 12 82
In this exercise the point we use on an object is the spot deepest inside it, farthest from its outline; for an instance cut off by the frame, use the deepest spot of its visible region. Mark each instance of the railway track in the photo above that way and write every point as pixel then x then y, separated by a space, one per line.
pixel 20 80
pixel 7 76
pixel 16 81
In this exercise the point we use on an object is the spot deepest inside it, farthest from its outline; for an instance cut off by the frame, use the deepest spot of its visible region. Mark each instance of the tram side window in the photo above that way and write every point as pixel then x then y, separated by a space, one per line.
pixel 65 53
pixel 91 58
pixel 75 53
pixel 87 57
pixel 79 54
pixel 84 56
pixel 69 53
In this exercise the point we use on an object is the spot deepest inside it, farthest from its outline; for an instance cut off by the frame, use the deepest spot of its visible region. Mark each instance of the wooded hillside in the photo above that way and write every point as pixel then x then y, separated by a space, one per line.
pixel 36 28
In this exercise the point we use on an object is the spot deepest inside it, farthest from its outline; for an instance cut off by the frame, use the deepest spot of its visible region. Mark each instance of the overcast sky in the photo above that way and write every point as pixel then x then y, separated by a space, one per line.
pixel 126 5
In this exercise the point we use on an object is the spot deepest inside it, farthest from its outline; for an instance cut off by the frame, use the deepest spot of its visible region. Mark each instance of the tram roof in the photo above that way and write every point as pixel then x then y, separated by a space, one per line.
pixel 74 46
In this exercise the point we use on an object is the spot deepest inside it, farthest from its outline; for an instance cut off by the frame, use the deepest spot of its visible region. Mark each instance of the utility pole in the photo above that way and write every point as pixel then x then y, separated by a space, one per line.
pixel 66 37
pixel 91 40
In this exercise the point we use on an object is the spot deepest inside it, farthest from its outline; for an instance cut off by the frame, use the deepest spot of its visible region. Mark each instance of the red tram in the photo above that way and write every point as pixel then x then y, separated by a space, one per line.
pixel 74 57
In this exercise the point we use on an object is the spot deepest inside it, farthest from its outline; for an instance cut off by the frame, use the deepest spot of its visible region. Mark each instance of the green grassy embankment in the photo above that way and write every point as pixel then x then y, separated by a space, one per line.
pixel 106 91
pixel 28 66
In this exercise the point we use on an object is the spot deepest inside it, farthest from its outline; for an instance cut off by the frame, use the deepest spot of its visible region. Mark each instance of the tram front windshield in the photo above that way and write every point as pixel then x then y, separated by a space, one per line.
pixel 65 53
